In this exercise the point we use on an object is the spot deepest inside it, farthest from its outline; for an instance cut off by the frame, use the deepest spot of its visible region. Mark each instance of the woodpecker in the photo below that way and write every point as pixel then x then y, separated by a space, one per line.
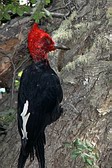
pixel 39 97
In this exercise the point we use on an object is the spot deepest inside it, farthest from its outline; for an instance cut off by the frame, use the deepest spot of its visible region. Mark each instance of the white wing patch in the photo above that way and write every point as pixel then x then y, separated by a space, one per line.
pixel 25 117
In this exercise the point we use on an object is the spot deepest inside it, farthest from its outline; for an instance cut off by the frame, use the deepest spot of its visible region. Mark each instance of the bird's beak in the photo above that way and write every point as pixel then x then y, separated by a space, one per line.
pixel 62 47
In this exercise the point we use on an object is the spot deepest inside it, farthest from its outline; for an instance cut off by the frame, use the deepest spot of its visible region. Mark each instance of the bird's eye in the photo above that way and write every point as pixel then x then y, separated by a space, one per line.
pixel 48 41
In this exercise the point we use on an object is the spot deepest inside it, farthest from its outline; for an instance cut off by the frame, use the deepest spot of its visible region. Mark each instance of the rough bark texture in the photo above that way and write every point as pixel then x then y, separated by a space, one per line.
pixel 85 72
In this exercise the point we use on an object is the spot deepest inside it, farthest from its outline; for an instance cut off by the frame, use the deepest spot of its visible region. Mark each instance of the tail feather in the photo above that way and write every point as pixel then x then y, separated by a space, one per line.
pixel 39 148
pixel 26 150
pixel 24 142
pixel 23 145
pixel 22 159
pixel 31 154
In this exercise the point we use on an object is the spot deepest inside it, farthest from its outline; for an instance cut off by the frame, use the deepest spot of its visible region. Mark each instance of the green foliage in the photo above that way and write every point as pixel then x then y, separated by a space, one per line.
pixel 38 14
pixel 7 10
pixel 33 1
pixel 41 11
pixel 17 81
pixel 47 2
pixel 20 73
pixel 85 150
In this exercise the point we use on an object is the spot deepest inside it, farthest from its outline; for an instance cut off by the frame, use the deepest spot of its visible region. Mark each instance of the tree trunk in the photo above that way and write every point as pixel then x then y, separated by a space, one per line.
pixel 85 73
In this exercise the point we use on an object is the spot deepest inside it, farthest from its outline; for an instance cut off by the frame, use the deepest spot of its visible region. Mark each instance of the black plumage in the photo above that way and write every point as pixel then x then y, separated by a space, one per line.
pixel 40 87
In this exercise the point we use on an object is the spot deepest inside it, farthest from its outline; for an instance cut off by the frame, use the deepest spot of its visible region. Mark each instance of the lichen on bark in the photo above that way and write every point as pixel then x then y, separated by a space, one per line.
pixel 85 73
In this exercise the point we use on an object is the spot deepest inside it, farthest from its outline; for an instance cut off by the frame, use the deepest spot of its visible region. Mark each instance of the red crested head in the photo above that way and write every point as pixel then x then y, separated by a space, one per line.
pixel 39 43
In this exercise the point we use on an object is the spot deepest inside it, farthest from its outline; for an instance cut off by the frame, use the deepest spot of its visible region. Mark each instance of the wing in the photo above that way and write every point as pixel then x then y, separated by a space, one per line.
pixel 40 94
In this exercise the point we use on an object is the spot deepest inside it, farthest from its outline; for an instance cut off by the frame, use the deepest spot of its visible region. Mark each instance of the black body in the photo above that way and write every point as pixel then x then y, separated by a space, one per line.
pixel 40 86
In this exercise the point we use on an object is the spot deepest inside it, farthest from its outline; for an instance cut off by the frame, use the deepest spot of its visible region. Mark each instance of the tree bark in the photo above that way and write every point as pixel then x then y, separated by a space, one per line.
pixel 85 73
